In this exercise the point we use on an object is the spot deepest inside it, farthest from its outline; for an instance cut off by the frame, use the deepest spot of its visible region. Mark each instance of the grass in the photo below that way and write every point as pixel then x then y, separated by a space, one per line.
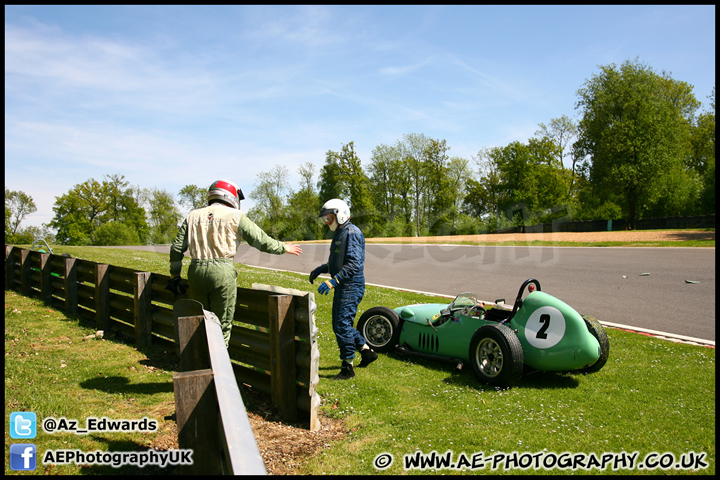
pixel 653 395
pixel 52 369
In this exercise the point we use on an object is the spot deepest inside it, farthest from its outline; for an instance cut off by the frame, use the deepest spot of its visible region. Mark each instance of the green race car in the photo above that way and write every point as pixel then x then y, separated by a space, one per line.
pixel 540 332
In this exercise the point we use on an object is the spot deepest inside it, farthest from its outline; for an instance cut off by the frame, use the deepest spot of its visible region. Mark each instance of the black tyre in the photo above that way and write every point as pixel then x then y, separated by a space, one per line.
pixel 380 326
pixel 598 332
pixel 496 355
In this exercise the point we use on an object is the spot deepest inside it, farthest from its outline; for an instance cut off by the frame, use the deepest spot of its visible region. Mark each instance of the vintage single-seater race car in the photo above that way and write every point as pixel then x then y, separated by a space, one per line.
pixel 540 332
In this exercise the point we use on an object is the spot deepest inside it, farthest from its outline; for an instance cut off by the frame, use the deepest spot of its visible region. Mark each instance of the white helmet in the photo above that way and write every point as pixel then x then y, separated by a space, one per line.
pixel 226 192
pixel 337 207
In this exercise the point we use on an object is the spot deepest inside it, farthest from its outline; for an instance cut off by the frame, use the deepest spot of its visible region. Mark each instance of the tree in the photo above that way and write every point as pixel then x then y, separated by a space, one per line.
pixel 439 188
pixel 78 213
pixel 332 182
pixel 702 159
pixel 562 131
pixel 163 216
pixel 414 150
pixel 115 233
pixel 303 208
pixel 193 197
pixel 123 205
pixel 358 188
pixel 18 205
pixel 270 195
pixel 91 204
pixel 635 124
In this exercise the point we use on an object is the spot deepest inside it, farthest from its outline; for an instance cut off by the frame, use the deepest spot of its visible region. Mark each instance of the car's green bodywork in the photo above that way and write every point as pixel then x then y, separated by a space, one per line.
pixel 553 335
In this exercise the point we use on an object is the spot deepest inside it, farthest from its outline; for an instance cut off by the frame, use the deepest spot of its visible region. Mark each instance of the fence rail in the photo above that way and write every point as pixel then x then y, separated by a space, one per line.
pixel 273 344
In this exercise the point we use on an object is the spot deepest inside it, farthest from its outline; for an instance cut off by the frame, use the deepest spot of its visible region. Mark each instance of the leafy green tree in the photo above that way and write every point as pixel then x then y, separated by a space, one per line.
pixel 303 208
pixel 702 159
pixel 332 183
pixel 193 197
pixel 384 180
pixel 270 195
pixel 358 190
pixel 532 183
pixel 18 205
pixel 91 204
pixel 414 154
pixel 78 213
pixel 163 216
pixel 440 189
pixel 635 125
pixel 563 131
pixel 115 232
pixel 391 189
pixel 123 206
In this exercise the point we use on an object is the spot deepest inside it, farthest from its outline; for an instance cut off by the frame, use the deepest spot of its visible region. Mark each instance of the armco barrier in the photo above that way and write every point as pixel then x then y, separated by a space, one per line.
pixel 273 343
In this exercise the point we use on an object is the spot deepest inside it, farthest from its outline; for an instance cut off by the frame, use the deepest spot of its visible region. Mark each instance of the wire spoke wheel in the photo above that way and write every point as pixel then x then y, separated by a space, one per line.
pixel 496 355
pixel 378 330
pixel 489 357
pixel 380 326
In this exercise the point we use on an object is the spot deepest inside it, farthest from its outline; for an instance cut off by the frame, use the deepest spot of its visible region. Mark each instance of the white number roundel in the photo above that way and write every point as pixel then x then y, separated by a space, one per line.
pixel 545 327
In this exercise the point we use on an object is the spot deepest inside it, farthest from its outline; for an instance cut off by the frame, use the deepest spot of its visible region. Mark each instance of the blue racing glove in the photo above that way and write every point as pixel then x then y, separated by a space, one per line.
pixel 314 274
pixel 328 285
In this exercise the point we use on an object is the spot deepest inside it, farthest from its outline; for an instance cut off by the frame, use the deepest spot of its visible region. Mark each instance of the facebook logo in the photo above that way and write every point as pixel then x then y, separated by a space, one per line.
pixel 23 425
pixel 23 456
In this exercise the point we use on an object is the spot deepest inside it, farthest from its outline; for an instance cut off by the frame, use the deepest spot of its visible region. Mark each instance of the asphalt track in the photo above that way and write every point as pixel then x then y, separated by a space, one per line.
pixel 643 288
pixel 640 288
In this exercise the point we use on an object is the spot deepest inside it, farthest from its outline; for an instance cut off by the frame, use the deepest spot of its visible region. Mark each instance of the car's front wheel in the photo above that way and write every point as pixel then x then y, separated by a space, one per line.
pixel 496 355
pixel 380 326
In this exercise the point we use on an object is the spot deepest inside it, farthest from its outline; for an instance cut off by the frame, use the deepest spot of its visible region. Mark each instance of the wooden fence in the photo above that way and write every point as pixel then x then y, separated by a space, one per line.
pixel 211 416
pixel 273 343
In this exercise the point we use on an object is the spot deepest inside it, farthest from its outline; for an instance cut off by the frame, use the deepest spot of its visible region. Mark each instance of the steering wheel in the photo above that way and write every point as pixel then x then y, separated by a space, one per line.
pixel 518 300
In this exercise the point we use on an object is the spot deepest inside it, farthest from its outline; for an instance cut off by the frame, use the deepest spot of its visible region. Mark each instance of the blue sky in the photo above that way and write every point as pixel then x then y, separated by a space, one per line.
pixel 175 95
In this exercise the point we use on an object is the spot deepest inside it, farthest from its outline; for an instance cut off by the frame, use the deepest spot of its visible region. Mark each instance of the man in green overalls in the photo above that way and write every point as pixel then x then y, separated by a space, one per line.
pixel 212 234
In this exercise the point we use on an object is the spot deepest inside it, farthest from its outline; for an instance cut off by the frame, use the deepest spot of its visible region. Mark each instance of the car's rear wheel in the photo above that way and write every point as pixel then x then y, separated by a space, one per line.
pixel 600 335
pixel 496 355
pixel 380 326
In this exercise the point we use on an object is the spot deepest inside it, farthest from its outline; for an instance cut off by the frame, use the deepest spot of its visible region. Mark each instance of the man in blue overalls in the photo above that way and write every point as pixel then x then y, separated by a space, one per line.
pixel 345 266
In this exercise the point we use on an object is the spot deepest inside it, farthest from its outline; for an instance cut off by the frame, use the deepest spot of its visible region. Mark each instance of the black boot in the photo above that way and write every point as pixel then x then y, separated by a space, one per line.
pixel 346 372
pixel 368 356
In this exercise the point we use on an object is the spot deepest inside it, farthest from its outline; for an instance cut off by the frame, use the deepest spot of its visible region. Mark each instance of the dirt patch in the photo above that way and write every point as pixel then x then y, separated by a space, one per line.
pixel 283 447
pixel 584 237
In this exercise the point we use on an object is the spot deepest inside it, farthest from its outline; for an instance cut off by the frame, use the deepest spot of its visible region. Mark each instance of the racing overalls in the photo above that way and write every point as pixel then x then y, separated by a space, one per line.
pixel 212 234
pixel 347 257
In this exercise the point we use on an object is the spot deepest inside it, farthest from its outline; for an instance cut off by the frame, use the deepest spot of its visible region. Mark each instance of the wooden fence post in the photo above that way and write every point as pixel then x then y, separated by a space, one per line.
pixel 9 268
pixel 143 309
pixel 102 297
pixel 196 412
pixel 194 353
pixel 71 291
pixel 191 337
pixel 25 272
pixel 282 355
pixel 45 279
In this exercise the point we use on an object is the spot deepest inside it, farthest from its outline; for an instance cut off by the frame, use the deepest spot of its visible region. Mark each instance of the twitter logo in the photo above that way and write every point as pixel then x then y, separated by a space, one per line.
pixel 23 425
